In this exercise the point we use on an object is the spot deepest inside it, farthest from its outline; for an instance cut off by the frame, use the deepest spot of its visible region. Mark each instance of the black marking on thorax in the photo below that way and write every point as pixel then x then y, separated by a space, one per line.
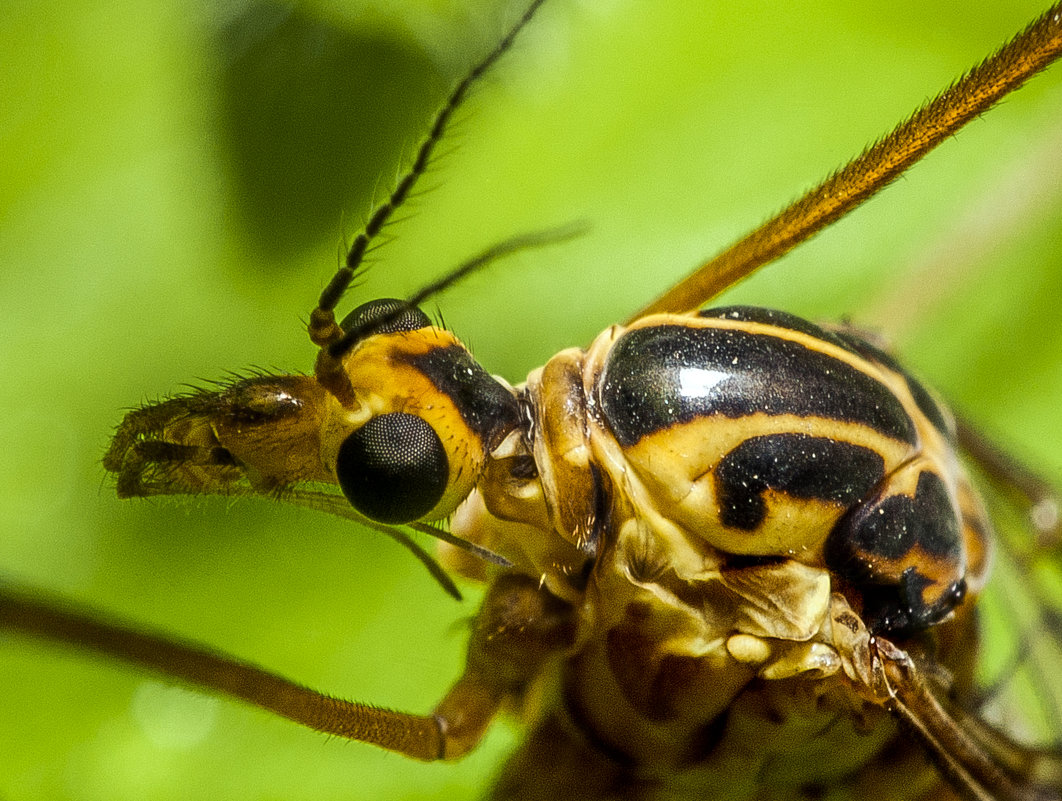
pixel 847 338
pixel 799 465
pixel 661 376
pixel 901 523
pixel 906 555
pixel 922 398
pixel 779 319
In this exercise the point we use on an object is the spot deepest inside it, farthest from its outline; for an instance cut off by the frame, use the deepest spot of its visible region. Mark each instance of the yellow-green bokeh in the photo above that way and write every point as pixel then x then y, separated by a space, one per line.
pixel 176 177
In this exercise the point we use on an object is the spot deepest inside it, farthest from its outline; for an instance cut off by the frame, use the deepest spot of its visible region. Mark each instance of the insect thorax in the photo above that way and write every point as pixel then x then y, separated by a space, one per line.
pixel 735 502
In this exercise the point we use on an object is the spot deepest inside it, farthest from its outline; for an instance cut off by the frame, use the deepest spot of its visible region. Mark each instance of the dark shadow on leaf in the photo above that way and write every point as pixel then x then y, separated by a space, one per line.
pixel 311 116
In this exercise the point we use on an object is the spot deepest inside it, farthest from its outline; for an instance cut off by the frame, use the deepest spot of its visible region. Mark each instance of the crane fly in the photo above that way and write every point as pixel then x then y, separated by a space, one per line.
pixel 90 755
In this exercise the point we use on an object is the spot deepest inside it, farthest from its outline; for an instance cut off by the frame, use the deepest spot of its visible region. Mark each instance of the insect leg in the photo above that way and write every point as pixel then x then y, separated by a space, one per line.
pixel 866 175
pixel 415 736
pixel 519 626
pixel 972 765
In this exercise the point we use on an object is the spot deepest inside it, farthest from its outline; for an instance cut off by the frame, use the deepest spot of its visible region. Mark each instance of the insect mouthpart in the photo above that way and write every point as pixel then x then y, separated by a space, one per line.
pixel 252 436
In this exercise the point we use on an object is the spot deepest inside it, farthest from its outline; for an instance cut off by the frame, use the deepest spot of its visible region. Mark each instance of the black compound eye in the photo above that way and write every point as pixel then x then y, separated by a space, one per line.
pixel 399 316
pixel 393 469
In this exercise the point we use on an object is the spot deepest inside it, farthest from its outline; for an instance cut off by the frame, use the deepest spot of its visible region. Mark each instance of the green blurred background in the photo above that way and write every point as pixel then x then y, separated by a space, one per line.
pixel 175 181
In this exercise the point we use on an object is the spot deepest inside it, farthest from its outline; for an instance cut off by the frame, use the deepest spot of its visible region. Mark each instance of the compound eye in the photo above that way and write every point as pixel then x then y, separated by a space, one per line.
pixel 403 317
pixel 393 469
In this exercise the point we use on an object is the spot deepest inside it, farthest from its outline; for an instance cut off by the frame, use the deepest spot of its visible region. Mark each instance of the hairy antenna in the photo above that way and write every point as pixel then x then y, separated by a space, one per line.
pixel 323 329
pixel 475 264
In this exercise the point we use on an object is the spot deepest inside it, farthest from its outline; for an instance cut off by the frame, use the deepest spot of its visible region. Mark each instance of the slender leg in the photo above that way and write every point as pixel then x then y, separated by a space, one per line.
pixel 985 766
pixel 519 627
pixel 939 119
